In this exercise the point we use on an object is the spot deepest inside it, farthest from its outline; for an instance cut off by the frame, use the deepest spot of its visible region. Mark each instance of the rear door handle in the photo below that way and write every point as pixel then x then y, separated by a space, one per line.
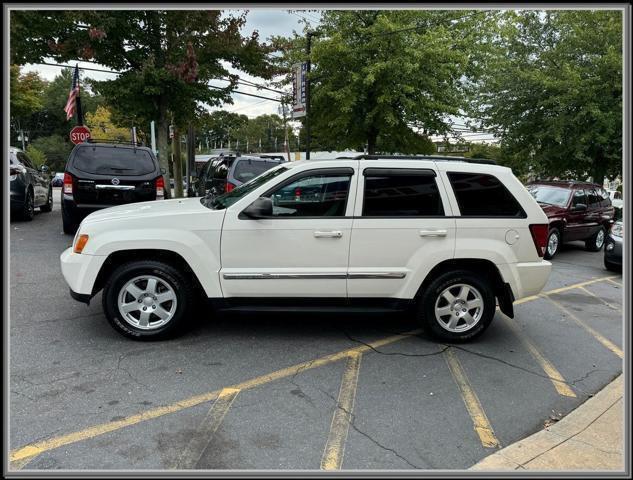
pixel 433 233
pixel 332 234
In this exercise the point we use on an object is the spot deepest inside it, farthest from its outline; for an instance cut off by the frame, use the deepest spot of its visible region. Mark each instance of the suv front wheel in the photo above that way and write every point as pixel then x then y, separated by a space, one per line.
pixel 147 300
pixel 457 306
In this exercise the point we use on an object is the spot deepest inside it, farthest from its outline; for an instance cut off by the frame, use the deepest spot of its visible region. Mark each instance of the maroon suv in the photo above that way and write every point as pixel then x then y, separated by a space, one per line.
pixel 576 211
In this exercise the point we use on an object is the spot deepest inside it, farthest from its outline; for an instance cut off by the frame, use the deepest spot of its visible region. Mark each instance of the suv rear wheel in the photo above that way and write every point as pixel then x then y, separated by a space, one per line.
pixel 147 300
pixel 70 226
pixel 28 211
pixel 457 306
pixel 596 241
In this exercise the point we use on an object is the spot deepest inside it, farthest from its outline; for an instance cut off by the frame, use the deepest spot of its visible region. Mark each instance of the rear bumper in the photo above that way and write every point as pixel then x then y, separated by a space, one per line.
pixel 526 279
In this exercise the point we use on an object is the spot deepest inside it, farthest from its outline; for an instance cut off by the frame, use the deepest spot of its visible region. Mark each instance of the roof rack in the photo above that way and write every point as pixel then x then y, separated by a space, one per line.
pixel 435 158
pixel 115 142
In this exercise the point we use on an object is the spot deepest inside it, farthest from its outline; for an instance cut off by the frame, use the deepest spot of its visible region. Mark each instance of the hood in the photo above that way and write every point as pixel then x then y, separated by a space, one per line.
pixel 552 210
pixel 145 210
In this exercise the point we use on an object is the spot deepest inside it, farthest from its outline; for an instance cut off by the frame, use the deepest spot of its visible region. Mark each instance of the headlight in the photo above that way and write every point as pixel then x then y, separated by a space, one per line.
pixel 610 247
pixel 617 230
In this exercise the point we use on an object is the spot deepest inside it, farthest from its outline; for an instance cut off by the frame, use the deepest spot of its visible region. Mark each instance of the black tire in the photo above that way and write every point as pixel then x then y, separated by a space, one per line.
pixel 70 225
pixel 165 272
pixel 612 267
pixel 426 307
pixel 48 206
pixel 28 210
pixel 593 243
pixel 550 254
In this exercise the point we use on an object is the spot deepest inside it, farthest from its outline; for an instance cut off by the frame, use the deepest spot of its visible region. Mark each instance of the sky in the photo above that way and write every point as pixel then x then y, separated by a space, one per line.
pixel 268 22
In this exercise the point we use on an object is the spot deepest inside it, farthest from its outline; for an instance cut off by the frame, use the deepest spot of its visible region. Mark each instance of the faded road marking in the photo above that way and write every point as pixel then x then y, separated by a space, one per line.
pixel 199 443
pixel 335 446
pixel 550 370
pixel 610 279
pixel 20 464
pixel 475 410
pixel 91 432
pixel 603 340
pixel 601 299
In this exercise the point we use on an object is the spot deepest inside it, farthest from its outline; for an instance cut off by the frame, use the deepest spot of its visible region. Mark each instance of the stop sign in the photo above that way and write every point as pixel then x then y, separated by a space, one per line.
pixel 79 134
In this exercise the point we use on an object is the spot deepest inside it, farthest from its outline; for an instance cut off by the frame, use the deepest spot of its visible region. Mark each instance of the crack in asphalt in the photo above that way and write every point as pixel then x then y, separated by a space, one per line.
pixel 395 353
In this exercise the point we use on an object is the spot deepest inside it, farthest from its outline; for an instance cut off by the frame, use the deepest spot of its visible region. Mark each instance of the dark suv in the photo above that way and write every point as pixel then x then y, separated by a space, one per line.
pixel 576 211
pixel 30 187
pixel 223 173
pixel 101 175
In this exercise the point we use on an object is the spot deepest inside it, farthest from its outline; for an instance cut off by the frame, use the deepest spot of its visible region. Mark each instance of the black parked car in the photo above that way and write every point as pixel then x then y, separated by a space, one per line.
pixel 30 187
pixel 223 173
pixel 613 244
pixel 101 175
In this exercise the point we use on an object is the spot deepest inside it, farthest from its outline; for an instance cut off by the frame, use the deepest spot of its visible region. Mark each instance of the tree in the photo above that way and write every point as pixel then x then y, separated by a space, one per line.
pixel 387 79
pixel 56 150
pixel 552 90
pixel 102 127
pixel 166 57
pixel 37 156
pixel 25 99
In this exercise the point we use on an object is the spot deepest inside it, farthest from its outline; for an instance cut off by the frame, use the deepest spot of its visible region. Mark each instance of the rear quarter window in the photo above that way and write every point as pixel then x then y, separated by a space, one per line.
pixel 482 195
pixel 114 161
pixel 246 169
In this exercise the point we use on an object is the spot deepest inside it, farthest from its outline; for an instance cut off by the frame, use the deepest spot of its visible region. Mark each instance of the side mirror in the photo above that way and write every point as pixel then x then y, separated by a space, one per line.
pixel 260 208
pixel 44 169
pixel 579 207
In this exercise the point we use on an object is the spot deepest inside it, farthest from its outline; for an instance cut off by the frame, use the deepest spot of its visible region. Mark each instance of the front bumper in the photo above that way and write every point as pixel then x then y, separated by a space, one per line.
pixel 613 254
pixel 80 272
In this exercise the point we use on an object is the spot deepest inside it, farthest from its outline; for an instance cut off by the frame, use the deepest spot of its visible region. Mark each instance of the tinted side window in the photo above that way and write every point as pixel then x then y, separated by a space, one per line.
pixel 593 199
pixel 248 169
pixel 578 198
pixel 24 160
pixel 605 200
pixel 322 195
pixel 220 171
pixel 480 195
pixel 401 196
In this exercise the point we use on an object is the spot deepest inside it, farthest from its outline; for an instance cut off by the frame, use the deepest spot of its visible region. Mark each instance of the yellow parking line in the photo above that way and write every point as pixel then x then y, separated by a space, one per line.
pixel 19 464
pixel 94 431
pixel 335 445
pixel 604 341
pixel 550 370
pixel 200 441
pixel 614 282
pixel 576 285
pixel 601 299
pixel 34 449
pixel 477 414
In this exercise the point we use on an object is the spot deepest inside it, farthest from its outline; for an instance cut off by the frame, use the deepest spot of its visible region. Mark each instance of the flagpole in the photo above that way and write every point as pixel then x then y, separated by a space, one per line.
pixel 80 117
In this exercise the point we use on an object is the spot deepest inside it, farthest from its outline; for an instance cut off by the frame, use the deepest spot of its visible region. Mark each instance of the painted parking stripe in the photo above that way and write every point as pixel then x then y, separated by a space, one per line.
pixel 611 279
pixel 604 341
pixel 20 464
pixel 335 445
pixel 562 289
pixel 94 431
pixel 550 370
pixel 480 420
pixel 613 307
pixel 36 448
pixel 201 439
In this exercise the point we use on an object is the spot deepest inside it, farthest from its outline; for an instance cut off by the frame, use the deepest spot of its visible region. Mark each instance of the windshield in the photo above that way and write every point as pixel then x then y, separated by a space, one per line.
pixel 550 195
pixel 227 199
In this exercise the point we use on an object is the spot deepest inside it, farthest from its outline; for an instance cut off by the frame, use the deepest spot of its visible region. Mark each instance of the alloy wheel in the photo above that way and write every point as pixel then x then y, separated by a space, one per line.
pixel 459 308
pixel 147 302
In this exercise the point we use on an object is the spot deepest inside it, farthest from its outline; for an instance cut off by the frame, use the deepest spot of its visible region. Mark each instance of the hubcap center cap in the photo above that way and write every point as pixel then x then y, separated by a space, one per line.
pixel 148 301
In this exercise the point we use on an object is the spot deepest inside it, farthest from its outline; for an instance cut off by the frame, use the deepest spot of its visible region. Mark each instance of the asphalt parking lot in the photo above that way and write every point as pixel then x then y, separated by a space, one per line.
pixel 289 392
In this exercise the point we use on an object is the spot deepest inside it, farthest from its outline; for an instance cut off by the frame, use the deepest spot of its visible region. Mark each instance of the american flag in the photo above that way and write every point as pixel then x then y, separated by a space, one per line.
pixel 74 93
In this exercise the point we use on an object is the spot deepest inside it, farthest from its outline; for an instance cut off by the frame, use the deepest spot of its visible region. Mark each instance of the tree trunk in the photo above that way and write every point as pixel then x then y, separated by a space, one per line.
pixel 162 139
pixel 598 169
pixel 177 164
pixel 372 136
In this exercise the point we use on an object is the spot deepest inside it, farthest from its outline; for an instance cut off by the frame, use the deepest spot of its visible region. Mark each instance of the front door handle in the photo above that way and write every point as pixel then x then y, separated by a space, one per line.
pixel 433 233
pixel 332 234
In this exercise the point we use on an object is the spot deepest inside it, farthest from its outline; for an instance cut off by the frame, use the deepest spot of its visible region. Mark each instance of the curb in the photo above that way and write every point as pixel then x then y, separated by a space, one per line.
pixel 588 438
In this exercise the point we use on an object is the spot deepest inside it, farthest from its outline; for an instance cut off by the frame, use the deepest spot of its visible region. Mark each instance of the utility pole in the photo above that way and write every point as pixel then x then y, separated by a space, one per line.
pixel 308 68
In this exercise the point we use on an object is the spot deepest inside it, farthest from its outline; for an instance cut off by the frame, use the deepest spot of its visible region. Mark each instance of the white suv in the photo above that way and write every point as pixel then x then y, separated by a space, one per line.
pixel 446 237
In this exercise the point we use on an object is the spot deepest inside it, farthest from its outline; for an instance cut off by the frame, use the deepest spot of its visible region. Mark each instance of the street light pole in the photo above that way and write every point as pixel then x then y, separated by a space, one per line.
pixel 308 68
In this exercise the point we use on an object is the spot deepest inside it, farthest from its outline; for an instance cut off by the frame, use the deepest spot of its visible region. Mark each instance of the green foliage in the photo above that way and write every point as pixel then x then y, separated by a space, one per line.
pixel 102 126
pixel 56 150
pixel 484 150
pixel 389 78
pixel 552 89
pixel 37 156
pixel 26 93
